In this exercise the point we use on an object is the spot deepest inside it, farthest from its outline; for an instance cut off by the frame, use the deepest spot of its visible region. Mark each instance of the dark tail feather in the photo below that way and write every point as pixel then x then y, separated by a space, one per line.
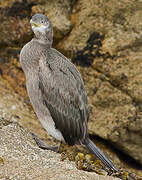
pixel 99 154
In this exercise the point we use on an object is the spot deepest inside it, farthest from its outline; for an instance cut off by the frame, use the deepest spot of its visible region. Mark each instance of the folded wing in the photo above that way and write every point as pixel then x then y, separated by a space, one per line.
pixel 65 97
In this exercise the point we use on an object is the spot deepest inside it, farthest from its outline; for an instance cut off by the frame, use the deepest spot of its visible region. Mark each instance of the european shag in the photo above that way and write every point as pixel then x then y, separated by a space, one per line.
pixel 56 89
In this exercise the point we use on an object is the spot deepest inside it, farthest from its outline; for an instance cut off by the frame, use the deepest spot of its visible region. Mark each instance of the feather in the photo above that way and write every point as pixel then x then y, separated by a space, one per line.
pixel 63 92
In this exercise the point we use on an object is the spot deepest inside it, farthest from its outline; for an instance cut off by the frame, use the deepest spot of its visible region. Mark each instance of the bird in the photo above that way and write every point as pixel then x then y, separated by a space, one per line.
pixel 56 90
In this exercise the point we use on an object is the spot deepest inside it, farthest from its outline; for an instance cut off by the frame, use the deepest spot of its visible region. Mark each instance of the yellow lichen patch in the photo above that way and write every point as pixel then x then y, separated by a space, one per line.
pixel 81 155
pixel 87 163
pixel 67 152
pixel 88 158
pixel 79 159
pixel 125 175
pixel 98 163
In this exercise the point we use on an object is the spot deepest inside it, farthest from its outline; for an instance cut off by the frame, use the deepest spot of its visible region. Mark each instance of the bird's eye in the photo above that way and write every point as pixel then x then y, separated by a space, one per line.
pixel 47 23
pixel 42 21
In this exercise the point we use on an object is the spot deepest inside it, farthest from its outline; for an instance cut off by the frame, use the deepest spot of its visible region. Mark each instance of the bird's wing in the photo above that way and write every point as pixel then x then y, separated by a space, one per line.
pixel 65 97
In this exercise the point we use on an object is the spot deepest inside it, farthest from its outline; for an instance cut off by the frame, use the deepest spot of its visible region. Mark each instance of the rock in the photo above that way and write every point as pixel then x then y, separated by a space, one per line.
pixel 20 158
pixel 112 19
pixel 14 17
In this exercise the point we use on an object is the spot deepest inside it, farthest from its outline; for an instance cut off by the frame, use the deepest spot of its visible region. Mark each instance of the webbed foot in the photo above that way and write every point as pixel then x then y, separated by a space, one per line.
pixel 42 145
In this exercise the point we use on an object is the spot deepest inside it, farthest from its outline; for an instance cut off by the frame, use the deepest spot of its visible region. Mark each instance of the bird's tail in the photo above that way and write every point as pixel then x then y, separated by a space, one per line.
pixel 99 154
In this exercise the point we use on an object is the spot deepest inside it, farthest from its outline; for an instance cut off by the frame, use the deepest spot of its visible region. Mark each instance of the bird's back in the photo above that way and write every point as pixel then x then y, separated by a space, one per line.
pixel 64 94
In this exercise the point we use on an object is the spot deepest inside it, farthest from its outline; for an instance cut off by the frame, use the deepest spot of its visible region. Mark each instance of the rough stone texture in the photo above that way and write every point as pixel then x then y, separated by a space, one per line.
pixel 103 38
pixel 14 17
pixel 20 158
pixel 106 40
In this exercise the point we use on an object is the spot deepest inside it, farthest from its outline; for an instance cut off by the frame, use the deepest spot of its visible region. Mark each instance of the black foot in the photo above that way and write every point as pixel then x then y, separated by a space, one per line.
pixel 42 145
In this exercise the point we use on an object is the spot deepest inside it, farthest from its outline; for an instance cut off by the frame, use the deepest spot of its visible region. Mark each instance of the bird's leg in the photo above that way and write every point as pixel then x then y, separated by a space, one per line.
pixel 42 145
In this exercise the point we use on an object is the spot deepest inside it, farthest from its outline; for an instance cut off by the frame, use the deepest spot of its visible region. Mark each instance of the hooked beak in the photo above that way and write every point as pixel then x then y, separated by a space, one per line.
pixel 34 24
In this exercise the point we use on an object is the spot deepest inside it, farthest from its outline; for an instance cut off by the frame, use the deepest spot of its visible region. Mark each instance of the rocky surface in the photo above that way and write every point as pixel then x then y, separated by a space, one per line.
pixel 20 158
pixel 103 39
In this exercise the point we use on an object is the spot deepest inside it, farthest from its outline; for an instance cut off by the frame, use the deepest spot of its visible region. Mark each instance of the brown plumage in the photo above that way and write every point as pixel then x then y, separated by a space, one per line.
pixel 56 89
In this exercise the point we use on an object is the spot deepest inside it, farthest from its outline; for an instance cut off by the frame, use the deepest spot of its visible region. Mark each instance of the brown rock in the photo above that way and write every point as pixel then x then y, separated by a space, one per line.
pixel 14 17
pixel 20 158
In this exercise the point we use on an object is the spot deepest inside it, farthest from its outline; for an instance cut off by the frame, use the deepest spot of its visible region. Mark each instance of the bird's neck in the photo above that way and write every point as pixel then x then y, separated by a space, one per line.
pixel 46 38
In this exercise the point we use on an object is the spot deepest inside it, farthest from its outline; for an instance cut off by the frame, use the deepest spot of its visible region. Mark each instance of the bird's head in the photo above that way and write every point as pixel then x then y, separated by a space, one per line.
pixel 41 27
